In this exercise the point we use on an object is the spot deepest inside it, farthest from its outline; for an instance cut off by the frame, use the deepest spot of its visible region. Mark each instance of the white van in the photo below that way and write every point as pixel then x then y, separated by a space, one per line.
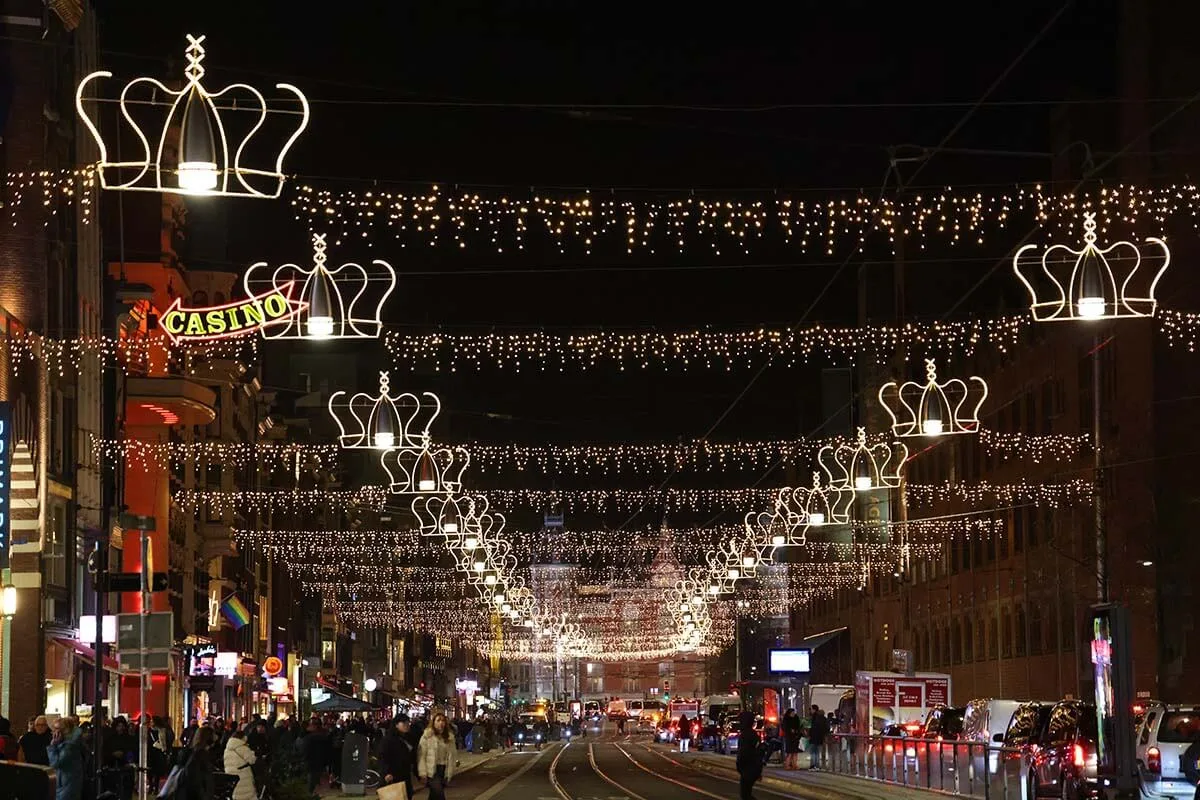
pixel 984 724
pixel 617 710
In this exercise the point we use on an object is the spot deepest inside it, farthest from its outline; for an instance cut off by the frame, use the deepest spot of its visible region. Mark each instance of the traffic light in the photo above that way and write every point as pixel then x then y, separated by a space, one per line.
pixel 132 582
pixel 667 691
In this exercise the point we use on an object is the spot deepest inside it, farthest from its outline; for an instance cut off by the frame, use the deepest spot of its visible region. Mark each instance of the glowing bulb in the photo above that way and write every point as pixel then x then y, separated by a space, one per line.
pixel 818 517
pixel 1090 307
pixel 546 631
pixel 426 485
pixel 480 565
pixel 931 426
pixel 778 539
pixel 198 176
pixel 451 526
pixel 320 327
pixel 469 542
pixel 505 608
pixel 197 171
pixel 489 579
pixel 499 599
pixel 698 599
pixel 684 606
pixel 715 588
pixel 749 560
pixel 687 617
pixel 384 439
pixel 862 483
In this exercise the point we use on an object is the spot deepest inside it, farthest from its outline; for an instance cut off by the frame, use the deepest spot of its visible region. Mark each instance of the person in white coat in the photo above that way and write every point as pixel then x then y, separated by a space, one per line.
pixel 239 760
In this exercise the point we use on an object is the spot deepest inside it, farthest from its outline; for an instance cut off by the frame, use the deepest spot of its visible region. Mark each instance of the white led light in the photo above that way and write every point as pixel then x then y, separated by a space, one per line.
pixel 862 483
pixel 816 518
pixel 198 177
pixel 320 328
pixel 384 439
pixel 1090 307
pixel 931 427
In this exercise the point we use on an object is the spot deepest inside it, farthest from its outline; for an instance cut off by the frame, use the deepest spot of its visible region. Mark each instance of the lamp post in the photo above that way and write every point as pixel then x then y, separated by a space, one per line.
pixel 737 641
pixel 8 609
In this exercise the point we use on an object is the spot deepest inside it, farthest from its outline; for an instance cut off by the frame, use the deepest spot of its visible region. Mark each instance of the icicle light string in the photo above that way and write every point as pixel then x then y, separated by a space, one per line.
pixel 981 493
pixel 132 354
pixel 581 460
pixel 582 223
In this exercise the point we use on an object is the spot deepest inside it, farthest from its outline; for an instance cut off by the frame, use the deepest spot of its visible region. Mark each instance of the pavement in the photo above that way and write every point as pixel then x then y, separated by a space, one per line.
pixel 466 762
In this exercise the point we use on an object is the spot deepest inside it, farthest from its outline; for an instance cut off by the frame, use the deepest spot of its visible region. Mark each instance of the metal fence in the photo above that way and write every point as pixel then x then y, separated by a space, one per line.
pixel 968 769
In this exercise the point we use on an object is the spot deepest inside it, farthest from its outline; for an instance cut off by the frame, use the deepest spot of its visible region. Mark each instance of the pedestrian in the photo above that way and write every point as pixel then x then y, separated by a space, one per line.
pixel 749 758
pixel 436 756
pixel 791 738
pixel 197 764
pixel 65 754
pixel 9 746
pixel 817 731
pixel 621 725
pixel 685 733
pixel 238 759
pixel 32 744
pixel 317 750
pixel 396 754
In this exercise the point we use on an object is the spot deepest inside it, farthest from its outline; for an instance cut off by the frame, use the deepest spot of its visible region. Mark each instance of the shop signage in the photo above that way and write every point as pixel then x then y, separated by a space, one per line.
pixel 226 665
pixel 272 666
pixel 466 685
pixel 5 478
pixel 279 686
pixel 909 696
pixel 238 318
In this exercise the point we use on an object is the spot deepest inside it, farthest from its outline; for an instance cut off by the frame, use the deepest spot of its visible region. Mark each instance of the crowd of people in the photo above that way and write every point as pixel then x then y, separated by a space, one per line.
pixel 257 751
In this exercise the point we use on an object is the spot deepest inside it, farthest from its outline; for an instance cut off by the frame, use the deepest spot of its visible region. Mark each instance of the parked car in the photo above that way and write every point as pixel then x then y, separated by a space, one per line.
pixel 1064 762
pixel 1166 732
pixel 1025 729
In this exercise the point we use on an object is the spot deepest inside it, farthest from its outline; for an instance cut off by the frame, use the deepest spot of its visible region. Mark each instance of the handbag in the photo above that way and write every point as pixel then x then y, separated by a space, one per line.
pixel 392 791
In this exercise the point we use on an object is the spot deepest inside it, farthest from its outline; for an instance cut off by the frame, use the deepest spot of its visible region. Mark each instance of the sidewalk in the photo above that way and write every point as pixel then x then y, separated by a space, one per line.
pixel 814 784
pixel 466 762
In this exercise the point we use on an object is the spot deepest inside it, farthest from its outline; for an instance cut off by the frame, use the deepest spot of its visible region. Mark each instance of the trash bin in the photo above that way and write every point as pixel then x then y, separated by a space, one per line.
pixel 356 759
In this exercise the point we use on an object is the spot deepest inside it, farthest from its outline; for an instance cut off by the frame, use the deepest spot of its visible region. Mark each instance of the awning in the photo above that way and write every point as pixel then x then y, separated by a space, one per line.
pixel 89 655
pixel 341 702
pixel 818 639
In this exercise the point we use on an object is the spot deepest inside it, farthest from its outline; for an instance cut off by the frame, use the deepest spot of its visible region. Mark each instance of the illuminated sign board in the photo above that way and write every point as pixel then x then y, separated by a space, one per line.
pixel 238 318
pixel 5 479
pixel 789 660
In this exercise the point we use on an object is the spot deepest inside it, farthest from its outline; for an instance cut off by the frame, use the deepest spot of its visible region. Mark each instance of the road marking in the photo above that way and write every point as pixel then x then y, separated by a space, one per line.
pixel 553 778
pixel 497 788
pixel 596 769
pixel 758 787
pixel 667 778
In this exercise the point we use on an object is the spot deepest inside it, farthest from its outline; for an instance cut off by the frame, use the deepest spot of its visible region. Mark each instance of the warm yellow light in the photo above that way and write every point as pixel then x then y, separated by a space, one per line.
pixel 426 485
pixel 384 439
pixel 470 542
pixel 1090 307
pixel 198 176
pixel 8 601
pixel 931 426
pixel 862 483
pixel 816 518
pixel 320 327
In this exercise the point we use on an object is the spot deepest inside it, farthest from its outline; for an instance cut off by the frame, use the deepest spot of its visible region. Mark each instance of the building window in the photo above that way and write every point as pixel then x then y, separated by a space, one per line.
pixel 55 551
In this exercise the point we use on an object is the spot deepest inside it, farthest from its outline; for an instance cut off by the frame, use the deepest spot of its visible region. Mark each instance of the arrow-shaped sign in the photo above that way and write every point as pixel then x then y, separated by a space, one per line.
pixel 238 318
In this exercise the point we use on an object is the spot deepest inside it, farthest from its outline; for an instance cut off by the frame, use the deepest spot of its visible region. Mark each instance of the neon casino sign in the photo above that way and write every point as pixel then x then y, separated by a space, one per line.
pixel 237 318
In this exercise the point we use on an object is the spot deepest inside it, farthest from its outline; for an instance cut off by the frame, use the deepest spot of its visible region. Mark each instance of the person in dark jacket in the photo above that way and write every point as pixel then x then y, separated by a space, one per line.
pixel 317 750
pixel 9 748
pixel 791 738
pixel 65 754
pixel 817 731
pixel 749 759
pixel 397 756
pixel 34 742
pixel 198 765
pixel 685 733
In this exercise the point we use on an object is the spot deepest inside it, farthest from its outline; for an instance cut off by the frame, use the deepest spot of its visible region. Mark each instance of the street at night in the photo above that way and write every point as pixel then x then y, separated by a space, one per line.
pixel 532 401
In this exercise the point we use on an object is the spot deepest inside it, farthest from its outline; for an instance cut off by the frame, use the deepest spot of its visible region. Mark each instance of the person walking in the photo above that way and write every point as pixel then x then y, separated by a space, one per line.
pixel 196 781
pixel 65 754
pixel 685 733
pixel 621 725
pixel 33 743
pixel 791 738
pixel 749 757
pixel 318 752
pixel 238 759
pixel 818 729
pixel 436 756
pixel 396 754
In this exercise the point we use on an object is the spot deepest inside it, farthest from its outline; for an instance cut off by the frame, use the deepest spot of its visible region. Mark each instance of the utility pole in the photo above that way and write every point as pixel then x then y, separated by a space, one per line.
pixel 108 501
pixel 143 673
pixel 1098 479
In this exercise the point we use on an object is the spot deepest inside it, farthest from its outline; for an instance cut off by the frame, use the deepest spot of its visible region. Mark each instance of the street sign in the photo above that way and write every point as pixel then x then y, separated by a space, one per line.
pixel 132 582
pixel 160 631
pixel 156 660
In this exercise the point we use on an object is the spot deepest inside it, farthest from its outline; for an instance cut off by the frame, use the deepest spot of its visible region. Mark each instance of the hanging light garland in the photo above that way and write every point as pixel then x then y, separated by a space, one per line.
pixel 696 350
pixel 131 354
pixel 268 455
pixel 1054 447
pixel 584 222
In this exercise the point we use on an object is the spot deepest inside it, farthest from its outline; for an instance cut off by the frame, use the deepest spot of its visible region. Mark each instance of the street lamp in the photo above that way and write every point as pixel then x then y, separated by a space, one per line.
pixel 8 602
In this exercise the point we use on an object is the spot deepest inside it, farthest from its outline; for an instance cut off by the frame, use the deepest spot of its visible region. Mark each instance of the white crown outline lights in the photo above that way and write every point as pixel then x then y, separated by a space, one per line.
pixel 204 166
pixel 946 408
pixel 863 467
pixel 425 471
pixel 384 421
pixel 335 299
pixel 1092 291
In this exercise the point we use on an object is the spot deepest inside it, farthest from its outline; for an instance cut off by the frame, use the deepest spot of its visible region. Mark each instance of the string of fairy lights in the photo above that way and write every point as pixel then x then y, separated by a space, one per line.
pixel 591 460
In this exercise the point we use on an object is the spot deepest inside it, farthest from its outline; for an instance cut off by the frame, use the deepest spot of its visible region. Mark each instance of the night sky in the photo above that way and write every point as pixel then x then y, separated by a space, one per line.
pixel 647 99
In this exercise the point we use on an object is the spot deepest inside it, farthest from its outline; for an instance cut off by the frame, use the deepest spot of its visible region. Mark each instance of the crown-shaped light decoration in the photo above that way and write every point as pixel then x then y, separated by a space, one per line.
pixel 769 529
pixel 932 408
pixel 341 303
pixel 863 466
pixel 425 471
pixel 201 163
pixel 815 506
pixel 385 421
pixel 1083 284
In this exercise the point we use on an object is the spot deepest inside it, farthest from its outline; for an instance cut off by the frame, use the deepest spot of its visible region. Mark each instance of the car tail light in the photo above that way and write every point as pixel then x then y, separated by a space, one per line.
pixel 1154 760
pixel 1079 758
pixel 888 748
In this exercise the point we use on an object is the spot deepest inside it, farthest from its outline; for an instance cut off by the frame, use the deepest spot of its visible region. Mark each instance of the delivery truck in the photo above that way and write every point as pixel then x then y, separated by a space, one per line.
pixel 882 698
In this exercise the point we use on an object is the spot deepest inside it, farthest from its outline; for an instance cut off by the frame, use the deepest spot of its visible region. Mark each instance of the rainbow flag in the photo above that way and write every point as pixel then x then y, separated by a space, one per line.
pixel 236 612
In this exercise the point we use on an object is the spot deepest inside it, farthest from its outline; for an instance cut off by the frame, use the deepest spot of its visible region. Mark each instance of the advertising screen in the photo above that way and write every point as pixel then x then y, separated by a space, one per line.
pixel 790 660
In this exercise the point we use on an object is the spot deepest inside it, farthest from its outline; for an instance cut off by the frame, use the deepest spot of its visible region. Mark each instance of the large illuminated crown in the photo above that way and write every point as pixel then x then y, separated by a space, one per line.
pixel 425 471
pixel 201 163
pixel 932 408
pixel 863 466
pixel 1083 285
pixel 385 421
pixel 798 509
pixel 342 303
